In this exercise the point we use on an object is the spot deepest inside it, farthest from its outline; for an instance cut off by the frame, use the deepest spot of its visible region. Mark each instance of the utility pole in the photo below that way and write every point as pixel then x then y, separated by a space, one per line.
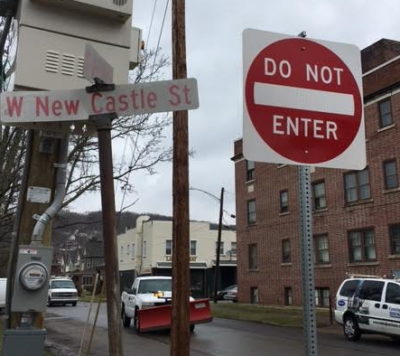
pixel 216 274
pixel 180 337
pixel 41 170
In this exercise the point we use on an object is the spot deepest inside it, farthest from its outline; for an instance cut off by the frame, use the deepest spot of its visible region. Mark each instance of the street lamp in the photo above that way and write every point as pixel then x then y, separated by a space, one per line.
pixel 221 211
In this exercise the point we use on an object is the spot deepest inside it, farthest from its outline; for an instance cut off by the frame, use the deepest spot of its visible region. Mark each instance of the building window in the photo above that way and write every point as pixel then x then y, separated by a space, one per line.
pixel 193 246
pixel 254 297
pixel 233 248
pixel 390 173
pixel 168 247
pixel 385 113
pixel 288 295
pixel 128 249
pixel 318 194
pixel 286 251
pixel 87 280
pixel 284 201
pixel 221 248
pixel 251 212
pixel 394 235
pixel 250 170
pixel 253 256
pixel 321 249
pixel 322 297
pixel 356 185
pixel 362 246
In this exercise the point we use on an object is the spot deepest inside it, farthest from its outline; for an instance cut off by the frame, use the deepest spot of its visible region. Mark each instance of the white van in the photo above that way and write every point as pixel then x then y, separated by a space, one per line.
pixel 368 305
pixel 3 287
pixel 62 290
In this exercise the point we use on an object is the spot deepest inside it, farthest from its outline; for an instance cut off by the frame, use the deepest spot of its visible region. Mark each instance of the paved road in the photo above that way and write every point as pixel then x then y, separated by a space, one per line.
pixel 220 338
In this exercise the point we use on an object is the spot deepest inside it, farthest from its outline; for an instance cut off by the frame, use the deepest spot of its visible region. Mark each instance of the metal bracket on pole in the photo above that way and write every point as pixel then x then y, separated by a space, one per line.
pixel 101 121
pixel 307 267
pixel 99 85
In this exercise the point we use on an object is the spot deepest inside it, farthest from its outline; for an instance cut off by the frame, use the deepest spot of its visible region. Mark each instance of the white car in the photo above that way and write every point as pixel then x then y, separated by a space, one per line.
pixel 368 305
pixel 62 290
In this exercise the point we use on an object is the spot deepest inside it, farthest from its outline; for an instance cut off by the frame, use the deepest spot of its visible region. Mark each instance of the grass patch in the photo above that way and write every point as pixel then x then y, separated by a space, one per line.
pixel 87 297
pixel 273 315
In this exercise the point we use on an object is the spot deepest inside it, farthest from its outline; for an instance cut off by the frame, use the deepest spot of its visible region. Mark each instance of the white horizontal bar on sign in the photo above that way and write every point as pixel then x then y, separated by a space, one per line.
pixel 303 99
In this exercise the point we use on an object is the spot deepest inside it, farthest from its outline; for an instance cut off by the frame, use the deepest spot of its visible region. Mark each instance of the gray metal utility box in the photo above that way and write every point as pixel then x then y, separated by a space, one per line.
pixel 23 342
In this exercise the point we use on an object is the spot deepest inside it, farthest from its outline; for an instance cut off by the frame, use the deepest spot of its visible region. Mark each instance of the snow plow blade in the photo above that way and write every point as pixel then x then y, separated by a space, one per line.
pixel 159 318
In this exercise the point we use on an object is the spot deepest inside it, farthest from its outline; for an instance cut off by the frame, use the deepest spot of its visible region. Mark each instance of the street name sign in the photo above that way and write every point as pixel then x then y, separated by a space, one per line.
pixel 302 101
pixel 19 108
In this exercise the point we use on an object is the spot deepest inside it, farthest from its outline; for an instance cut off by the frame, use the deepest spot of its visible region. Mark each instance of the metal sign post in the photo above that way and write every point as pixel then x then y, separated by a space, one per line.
pixel 307 268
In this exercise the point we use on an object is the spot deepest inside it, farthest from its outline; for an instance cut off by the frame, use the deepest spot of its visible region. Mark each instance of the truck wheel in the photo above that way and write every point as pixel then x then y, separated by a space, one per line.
pixel 126 322
pixel 136 321
pixel 74 304
pixel 351 329
pixel 49 303
pixel 191 328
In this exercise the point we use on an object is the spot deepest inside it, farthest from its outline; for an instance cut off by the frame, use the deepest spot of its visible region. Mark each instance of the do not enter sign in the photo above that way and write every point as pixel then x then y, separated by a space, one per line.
pixel 302 101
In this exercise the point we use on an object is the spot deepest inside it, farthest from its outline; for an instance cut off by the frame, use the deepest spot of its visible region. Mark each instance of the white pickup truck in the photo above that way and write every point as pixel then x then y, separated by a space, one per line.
pixel 148 303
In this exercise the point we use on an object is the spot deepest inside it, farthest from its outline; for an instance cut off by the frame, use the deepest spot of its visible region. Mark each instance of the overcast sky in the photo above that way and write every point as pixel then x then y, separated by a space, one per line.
pixel 214 57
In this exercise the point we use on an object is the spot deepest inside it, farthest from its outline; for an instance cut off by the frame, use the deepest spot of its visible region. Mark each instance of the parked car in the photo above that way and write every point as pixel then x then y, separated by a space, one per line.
pixel 221 294
pixel 368 305
pixel 232 295
pixel 62 290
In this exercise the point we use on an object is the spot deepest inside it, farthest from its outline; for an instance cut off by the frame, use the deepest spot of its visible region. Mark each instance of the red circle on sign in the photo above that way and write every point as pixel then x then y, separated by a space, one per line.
pixel 284 74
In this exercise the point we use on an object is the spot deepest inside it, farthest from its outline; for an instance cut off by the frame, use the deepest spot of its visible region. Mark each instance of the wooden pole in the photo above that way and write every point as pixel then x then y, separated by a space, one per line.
pixel 103 126
pixel 180 337
pixel 41 173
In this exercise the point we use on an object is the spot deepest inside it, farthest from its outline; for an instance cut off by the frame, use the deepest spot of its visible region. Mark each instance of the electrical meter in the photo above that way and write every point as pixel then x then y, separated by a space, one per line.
pixel 32 279
pixel 33 276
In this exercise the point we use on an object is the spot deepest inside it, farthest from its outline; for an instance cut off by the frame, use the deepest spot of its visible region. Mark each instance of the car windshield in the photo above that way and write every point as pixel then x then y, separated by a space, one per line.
pixel 62 284
pixel 155 285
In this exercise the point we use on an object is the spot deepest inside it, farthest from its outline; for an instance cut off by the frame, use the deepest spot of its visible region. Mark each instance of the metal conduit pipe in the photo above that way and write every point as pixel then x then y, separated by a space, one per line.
pixel 59 194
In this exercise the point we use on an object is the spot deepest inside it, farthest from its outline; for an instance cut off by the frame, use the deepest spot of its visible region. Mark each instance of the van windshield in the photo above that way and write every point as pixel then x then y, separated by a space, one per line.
pixel 62 284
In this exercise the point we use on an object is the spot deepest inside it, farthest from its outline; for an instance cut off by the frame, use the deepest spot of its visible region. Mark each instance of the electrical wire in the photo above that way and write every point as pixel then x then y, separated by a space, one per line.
pixel 161 31
pixel 151 21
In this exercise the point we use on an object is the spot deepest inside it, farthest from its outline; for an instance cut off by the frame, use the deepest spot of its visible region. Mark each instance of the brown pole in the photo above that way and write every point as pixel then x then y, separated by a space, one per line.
pixel 216 273
pixel 103 125
pixel 180 261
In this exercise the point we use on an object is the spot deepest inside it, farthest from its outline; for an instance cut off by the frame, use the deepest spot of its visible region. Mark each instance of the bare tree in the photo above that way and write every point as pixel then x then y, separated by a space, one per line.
pixel 141 136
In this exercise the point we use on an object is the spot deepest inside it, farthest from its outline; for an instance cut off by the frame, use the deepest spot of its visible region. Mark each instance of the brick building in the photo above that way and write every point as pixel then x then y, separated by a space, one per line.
pixel 356 214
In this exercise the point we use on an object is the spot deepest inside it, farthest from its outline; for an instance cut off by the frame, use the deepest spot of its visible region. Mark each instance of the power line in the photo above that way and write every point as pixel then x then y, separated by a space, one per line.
pixel 161 31
pixel 151 21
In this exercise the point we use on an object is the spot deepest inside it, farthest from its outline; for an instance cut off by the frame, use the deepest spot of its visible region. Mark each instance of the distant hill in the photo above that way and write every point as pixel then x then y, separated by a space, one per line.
pixel 84 225
pixel 69 223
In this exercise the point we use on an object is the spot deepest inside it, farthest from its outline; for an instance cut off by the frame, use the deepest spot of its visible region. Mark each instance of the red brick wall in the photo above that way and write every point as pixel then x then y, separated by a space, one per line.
pixel 271 227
